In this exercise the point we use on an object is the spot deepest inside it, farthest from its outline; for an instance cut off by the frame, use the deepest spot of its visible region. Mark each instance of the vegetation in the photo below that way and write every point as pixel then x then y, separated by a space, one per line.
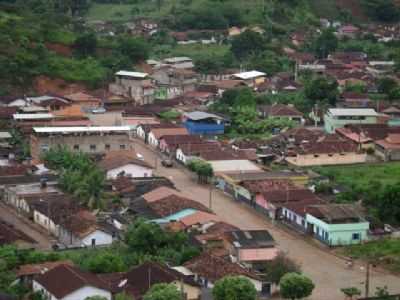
pixel 170 115
pixel 163 291
pixel 238 288
pixel 382 10
pixel 385 252
pixel 80 176
pixel 295 286
pixel 148 241
pixel 278 267
pixel 202 168
pixel 351 292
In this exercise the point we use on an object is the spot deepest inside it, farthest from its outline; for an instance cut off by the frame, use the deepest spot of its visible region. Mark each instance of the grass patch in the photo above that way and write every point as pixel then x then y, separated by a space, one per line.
pixel 110 12
pixel 362 175
pixel 387 252
pixel 199 50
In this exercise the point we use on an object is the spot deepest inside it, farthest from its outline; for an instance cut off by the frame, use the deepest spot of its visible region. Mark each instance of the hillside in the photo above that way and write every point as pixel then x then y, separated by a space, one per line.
pixel 85 44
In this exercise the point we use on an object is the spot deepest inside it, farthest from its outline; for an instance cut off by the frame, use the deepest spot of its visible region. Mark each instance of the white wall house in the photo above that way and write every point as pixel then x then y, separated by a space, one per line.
pixel 97 238
pixel 130 170
pixel 45 222
pixel 79 294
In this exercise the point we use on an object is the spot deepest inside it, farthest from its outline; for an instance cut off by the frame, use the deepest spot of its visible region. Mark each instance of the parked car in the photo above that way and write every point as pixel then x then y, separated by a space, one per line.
pixel 167 163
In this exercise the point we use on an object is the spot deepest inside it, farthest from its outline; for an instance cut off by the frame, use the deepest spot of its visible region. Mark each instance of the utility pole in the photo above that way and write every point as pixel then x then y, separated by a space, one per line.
pixel 210 197
pixel 367 279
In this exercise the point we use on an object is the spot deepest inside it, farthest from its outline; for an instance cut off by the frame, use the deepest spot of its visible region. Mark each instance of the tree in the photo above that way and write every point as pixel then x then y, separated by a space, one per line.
pixel 163 291
pixel 295 286
pixel 234 287
pixel 279 266
pixel 96 298
pixel 382 10
pixel 325 43
pixel 85 44
pixel 107 262
pixel 351 292
pixel 247 43
pixel 136 49
pixel 123 296
pixel 322 88
pixel 386 85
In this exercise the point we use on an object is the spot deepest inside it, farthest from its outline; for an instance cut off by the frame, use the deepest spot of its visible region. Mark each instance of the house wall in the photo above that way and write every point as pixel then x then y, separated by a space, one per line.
pixel 332 123
pixel 204 128
pixel 152 140
pixel 101 238
pixel 140 133
pixel 115 141
pixel 191 292
pixel 45 222
pixel 80 294
pixel 68 238
pixel 180 156
pixel 327 159
pixel 386 154
pixel 295 219
pixel 338 234
pixel 130 170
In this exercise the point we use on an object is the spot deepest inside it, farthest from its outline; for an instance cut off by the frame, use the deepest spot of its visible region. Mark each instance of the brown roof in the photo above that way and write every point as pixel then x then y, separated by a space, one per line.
pixel 174 141
pixel 9 235
pixel 15 170
pixel 160 193
pixel 290 195
pixel 260 186
pixel 214 268
pixel 336 213
pixel 160 132
pixel 173 203
pixel 328 147
pixel 63 280
pixel 120 158
pixel 81 223
pixel 198 148
pixel 58 207
pixel 81 97
pixel 300 207
pixel 280 110
pixel 199 217
pixel 40 268
pixel 72 111
pixel 141 278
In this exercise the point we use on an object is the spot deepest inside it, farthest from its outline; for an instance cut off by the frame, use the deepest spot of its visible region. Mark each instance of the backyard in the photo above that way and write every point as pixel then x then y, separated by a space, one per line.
pixel 362 175
pixel 385 253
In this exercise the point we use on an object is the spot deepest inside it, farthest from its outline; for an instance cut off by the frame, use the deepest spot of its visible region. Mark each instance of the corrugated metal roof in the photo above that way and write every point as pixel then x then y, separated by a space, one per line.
pixel 132 74
pixel 249 75
pixel 353 112
pixel 80 129
pixel 32 116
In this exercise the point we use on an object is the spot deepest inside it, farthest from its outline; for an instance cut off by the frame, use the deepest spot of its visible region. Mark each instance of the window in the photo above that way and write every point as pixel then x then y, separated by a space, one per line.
pixel 76 147
pixel 316 155
pixel 44 147
pixel 356 236
pixel 122 147
pixel 92 147
pixel 107 147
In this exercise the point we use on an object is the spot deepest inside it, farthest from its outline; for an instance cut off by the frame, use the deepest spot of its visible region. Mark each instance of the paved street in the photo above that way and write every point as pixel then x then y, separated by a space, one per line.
pixel 32 230
pixel 328 272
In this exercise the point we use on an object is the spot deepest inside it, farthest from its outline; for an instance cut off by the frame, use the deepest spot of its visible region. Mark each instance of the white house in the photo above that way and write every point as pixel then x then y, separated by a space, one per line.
pixel 70 283
pixel 125 162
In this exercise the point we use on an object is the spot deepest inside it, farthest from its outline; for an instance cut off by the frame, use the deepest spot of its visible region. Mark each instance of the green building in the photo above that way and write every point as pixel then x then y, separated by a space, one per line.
pixel 337 224
pixel 339 117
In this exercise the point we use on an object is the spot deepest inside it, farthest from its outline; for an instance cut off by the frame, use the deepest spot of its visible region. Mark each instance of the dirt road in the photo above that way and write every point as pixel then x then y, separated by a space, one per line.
pixel 328 272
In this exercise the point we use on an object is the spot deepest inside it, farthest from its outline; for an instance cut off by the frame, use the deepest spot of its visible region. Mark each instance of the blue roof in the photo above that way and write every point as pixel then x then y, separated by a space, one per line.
pixel 176 216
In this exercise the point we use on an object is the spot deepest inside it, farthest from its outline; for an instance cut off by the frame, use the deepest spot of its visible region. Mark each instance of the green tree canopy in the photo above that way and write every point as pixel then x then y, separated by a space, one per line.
pixel 278 267
pixel 85 45
pixel 247 44
pixel 325 43
pixel 322 89
pixel 234 287
pixel 295 286
pixel 163 291
pixel 382 10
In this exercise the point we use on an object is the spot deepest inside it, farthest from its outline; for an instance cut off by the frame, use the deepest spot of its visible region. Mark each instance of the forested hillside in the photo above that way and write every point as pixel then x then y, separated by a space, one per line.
pixel 57 38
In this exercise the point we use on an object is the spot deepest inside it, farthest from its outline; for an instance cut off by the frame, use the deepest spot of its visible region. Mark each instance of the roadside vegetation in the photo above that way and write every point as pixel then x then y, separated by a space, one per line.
pixel 385 253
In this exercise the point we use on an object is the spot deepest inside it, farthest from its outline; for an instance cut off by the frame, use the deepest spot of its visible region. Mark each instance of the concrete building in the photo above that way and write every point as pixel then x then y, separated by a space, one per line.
pixel 337 224
pixel 135 85
pixel 339 117
pixel 92 140
pixel 251 78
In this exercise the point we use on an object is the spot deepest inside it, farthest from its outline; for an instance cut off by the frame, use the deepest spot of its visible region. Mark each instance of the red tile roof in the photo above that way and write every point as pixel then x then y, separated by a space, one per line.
pixel 40 268
pixel 214 268
pixel 173 203
pixel 63 280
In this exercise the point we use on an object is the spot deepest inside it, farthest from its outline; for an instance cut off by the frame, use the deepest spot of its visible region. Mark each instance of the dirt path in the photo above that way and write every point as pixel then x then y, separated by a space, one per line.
pixel 328 272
